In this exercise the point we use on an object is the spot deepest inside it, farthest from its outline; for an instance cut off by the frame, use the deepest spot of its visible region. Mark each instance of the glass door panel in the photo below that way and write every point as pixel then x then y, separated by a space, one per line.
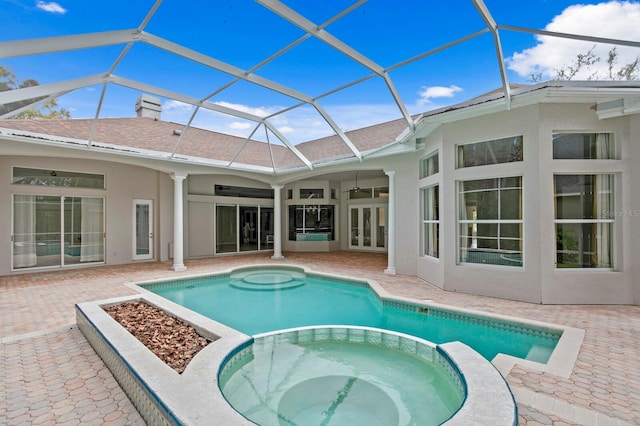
pixel 83 230
pixel 226 229
pixel 354 226
pixel 366 224
pixel 381 227
pixel 249 228
pixel 143 229
pixel 36 231
pixel 266 228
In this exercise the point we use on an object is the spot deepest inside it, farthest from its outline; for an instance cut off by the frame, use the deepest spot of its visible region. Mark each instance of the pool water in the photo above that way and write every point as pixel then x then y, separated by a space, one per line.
pixel 253 303
pixel 287 382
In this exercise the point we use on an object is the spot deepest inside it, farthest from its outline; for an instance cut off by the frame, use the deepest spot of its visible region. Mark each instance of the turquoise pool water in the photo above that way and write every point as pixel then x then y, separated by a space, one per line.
pixel 253 303
pixel 346 377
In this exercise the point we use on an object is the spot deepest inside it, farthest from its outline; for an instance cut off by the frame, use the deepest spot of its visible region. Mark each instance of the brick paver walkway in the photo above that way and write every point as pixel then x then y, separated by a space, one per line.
pixel 50 374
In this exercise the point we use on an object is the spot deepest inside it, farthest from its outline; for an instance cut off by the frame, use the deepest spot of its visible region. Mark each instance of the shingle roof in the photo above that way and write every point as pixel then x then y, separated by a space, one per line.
pixel 147 134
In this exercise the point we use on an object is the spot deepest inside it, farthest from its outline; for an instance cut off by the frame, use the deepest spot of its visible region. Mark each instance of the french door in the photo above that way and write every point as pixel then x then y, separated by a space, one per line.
pixel 142 229
pixel 368 227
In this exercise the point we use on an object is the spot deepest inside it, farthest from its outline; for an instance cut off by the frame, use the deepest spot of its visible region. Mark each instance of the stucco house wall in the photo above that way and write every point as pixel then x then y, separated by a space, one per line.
pixel 538 280
pixel 124 183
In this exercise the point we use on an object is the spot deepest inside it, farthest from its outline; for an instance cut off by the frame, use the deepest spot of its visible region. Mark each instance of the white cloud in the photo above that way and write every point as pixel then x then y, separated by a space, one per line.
pixel 286 130
pixel 51 7
pixel 177 106
pixel 614 19
pixel 238 125
pixel 259 111
pixel 426 94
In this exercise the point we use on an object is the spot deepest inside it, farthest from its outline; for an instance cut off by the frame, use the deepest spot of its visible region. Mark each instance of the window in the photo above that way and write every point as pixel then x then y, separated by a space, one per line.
pixel 430 221
pixel 490 221
pixel 584 221
pixel 311 223
pixel 429 166
pixel 56 178
pixel 369 193
pixel 497 151
pixel 311 193
pixel 56 231
pixel 242 192
pixel 583 146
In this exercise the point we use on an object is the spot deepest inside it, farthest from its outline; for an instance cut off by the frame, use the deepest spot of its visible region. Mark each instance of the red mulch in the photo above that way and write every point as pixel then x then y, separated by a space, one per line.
pixel 170 339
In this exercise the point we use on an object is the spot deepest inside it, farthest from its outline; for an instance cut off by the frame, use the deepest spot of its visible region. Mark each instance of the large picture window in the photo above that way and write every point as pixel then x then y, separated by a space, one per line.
pixel 57 231
pixel 490 221
pixel 311 222
pixel 584 221
pixel 496 151
pixel 430 221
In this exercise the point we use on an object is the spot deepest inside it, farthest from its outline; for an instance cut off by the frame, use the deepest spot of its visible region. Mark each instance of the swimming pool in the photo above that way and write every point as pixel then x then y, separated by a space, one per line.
pixel 257 300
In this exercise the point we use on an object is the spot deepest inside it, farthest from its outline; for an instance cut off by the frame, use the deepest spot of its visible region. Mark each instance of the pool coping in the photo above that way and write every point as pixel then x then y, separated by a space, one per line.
pixel 163 396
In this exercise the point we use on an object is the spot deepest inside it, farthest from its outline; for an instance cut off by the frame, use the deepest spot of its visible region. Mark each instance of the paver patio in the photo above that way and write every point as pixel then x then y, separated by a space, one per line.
pixel 50 374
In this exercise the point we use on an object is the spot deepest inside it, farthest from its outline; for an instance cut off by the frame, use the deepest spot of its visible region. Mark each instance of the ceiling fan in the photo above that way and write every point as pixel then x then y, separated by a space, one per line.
pixel 356 188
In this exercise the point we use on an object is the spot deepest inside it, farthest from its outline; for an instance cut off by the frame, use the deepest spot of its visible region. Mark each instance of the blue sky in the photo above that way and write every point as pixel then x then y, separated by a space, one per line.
pixel 243 33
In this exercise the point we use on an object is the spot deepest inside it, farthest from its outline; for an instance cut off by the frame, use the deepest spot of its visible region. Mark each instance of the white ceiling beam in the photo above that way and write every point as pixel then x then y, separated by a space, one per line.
pixel 301 22
pixel 38 46
pixel 493 27
pixel 41 90
pixel 288 144
pixel 17 111
pixel 210 62
pixel 338 131
pixel 133 84
pixel 593 39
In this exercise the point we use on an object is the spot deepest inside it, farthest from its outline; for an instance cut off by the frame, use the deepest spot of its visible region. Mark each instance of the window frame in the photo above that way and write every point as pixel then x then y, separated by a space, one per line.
pixel 429 165
pixel 460 156
pixel 500 253
pixel 613 150
pixel 607 216
pixel 428 221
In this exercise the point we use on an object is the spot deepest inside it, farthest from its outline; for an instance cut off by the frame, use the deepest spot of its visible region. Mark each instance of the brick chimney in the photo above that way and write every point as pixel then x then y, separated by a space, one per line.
pixel 148 106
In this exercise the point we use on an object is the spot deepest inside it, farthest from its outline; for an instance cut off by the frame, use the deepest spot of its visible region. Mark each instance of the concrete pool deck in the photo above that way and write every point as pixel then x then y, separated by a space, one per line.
pixel 52 376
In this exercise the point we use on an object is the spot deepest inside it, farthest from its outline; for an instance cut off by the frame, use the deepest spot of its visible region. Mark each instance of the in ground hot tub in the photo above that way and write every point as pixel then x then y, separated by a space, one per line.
pixel 341 376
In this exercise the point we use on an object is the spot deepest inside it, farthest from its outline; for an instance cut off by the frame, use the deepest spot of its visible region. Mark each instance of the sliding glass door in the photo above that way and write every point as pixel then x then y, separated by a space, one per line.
pixel 57 231
pixel 243 228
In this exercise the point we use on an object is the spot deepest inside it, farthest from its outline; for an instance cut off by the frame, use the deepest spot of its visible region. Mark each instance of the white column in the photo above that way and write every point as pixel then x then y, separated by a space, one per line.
pixel 178 225
pixel 391 232
pixel 277 223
